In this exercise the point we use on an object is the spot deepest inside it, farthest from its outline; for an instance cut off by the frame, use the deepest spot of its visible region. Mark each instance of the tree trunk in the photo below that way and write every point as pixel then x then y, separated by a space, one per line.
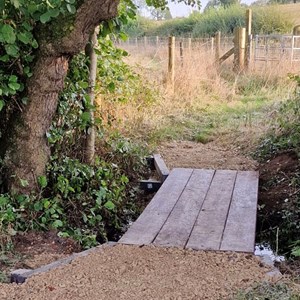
pixel 90 139
pixel 28 152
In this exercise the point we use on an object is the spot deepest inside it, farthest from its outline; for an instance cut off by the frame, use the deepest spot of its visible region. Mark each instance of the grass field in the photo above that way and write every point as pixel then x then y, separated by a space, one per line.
pixel 207 104
pixel 292 11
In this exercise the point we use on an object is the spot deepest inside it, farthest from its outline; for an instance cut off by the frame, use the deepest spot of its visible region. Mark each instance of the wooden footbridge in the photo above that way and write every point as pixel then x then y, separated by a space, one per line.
pixel 200 209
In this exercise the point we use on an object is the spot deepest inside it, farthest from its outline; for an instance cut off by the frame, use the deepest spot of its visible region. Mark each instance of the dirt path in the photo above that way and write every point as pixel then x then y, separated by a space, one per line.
pixel 186 154
pixel 129 272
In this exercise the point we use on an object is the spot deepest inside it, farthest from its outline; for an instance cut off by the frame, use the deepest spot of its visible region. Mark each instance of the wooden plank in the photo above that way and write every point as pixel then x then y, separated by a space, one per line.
pixel 146 227
pixel 226 55
pixel 179 225
pixel 161 167
pixel 208 230
pixel 239 233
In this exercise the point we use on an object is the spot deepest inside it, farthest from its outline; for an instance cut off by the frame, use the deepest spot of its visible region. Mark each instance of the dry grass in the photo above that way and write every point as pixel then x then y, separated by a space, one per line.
pixel 292 11
pixel 207 103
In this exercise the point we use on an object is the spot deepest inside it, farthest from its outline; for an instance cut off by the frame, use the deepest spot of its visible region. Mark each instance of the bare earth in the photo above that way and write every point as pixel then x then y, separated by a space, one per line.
pixel 186 154
pixel 131 272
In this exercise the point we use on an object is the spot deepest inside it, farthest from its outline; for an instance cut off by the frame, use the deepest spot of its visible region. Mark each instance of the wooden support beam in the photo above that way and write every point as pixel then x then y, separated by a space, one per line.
pixel 181 52
pixel 226 55
pixel 248 37
pixel 212 43
pixel 189 45
pixel 218 45
pixel 171 65
pixel 161 167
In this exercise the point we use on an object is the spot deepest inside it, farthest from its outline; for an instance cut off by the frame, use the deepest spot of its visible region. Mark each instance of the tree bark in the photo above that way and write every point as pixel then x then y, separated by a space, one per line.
pixel 28 152
pixel 90 138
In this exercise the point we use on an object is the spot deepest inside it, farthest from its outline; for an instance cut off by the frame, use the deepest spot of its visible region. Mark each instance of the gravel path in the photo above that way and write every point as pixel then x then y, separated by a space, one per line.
pixel 130 272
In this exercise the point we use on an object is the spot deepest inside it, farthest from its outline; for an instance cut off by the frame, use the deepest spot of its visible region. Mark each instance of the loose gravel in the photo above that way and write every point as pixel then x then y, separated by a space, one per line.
pixel 131 272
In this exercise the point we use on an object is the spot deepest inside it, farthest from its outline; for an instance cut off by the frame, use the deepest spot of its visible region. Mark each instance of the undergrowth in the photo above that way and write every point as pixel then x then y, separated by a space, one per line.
pixel 270 291
pixel 284 138
pixel 266 20
pixel 89 203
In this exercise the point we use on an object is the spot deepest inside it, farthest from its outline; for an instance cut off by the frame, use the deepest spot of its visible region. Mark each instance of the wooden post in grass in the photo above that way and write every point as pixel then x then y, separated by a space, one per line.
pixel 157 41
pixel 190 45
pixel 145 41
pixel 171 65
pixel 248 37
pixel 212 44
pixel 218 45
pixel 240 48
pixel 181 52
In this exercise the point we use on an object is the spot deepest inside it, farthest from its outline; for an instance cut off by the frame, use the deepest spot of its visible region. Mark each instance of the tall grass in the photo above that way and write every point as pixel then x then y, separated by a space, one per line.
pixel 207 103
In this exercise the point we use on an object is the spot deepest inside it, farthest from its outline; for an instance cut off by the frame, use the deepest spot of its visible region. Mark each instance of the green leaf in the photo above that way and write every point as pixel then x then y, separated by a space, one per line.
pixel 12 50
pixel 2 5
pixel 123 36
pixel 71 8
pixel 35 44
pixel 4 58
pixel 42 180
pixel 57 223
pixel 86 116
pixel 13 78
pixel 83 84
pixel 111 86
pixel 54 12
pixel 46 17
pixel 1 104
pixel 14 86
pixel 46 204
pixel 15 3
pixel 109 205
pixel 70 1
pixel 8 34
pixel 24 37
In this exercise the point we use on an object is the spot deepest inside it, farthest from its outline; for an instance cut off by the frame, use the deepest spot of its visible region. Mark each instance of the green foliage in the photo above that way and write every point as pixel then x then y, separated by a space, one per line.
pixel 266 20
pixel 89 203
pixel 140 26
pixel 296 248
pixel 284 136
pixel 268 290
pixel 18 20
pixel 81 201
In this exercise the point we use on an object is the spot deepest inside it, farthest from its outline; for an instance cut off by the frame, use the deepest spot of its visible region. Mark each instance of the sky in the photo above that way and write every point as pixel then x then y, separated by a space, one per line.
pixel 182 10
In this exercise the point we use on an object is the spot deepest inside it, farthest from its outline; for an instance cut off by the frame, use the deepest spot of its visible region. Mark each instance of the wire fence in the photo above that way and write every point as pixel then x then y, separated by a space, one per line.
pixel 184 42
pixel 265 48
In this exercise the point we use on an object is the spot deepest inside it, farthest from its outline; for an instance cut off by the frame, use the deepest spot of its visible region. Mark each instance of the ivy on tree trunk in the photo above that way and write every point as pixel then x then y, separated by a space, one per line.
pixel 27 151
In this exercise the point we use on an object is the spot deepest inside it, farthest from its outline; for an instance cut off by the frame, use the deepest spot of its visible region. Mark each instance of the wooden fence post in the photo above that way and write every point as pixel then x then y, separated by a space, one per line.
pixel 212 44
pixel 145 41
pixel 157 41
pixel 218 45
pixel 171 66
pixel 181 52
pixel 190 45
pixel 240 47
pixel 248 37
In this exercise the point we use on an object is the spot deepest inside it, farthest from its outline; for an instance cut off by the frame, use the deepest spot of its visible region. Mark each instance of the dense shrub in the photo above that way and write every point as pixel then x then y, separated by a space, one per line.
pixel 266 20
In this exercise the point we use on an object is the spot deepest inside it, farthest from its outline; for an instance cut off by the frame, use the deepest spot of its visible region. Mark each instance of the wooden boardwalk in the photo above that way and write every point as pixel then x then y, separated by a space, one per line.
pixel 200 209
